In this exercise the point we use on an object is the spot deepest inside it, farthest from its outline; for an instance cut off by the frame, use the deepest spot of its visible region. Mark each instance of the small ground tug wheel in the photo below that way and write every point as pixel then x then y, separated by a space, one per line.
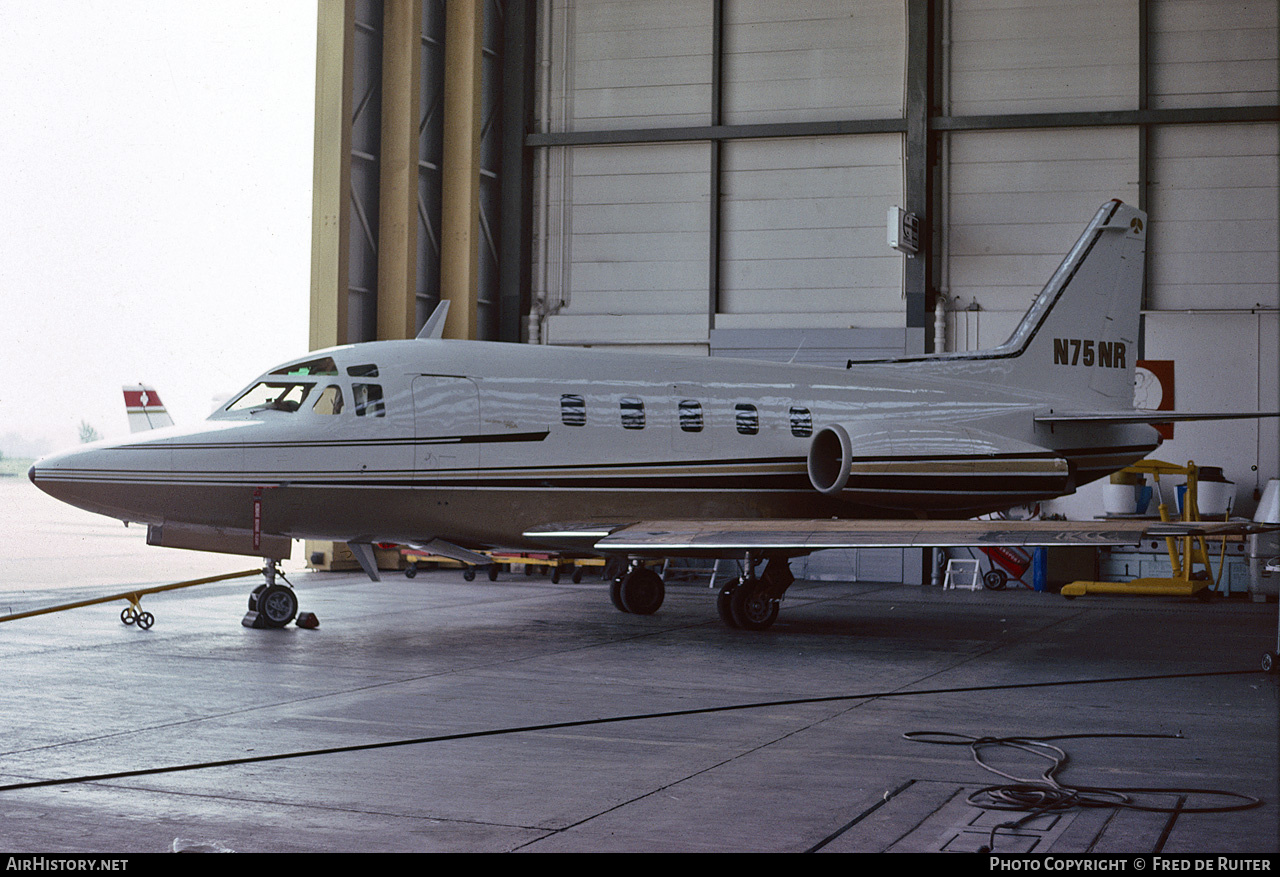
pixel 493 572
pixel 469 573
pixel 411 570
pixel 995 580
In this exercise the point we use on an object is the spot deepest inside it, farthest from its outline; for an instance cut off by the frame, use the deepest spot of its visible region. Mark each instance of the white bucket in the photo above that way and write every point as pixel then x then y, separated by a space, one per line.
pixel 1215 498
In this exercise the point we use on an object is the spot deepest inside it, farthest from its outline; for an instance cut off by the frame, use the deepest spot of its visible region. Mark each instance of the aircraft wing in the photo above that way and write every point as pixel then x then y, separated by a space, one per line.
pixel 733 537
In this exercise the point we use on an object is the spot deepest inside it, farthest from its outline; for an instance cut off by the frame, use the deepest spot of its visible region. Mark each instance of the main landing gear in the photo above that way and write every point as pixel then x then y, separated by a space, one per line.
pixel 271 604
pixel 748 602
pixel 751 603
pixel 639 590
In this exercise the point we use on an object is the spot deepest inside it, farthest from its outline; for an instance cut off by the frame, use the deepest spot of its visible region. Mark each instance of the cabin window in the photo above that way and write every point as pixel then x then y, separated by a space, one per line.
pixel 272 395
pixel 323 366
pixel 801 423
pixel 632 413
pixel 573 410
pixel 362 371
pixel 330 401
pixel 747 419
pixel 691 416
pixel 368 400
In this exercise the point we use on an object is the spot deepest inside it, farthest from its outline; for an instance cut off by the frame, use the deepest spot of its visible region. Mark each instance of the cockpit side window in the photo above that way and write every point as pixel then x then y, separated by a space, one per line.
pixel 362 371
pixel 329 401
pixel 272 395
pixel 368 400
pixel 322 366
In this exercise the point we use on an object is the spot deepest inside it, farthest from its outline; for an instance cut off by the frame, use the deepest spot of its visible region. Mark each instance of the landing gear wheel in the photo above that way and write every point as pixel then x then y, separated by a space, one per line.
pixel 253 597
pixel 723 601
pixel 615 594
pixel 127 615
pixel 145 620
pixel 642 591
pixel 276 605
pixel 752 608
pixel 995 580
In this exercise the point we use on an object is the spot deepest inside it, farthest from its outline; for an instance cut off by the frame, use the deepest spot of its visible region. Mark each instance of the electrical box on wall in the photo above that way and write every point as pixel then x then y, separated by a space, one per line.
pixel 904 231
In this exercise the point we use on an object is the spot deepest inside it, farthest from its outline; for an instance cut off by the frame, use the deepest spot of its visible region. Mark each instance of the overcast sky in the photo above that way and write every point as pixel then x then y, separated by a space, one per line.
pixel 155 220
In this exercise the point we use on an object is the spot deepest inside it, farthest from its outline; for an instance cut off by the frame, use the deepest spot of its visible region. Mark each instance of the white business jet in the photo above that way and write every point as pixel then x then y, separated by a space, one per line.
pixel 459 446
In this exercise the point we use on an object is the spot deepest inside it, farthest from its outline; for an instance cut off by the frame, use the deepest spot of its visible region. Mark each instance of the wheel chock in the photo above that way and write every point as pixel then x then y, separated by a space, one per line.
pixel 307 620
pixel 253 619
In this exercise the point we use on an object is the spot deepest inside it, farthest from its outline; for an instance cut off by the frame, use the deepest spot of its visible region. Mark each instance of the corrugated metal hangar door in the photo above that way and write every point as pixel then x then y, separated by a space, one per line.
pixel 715 177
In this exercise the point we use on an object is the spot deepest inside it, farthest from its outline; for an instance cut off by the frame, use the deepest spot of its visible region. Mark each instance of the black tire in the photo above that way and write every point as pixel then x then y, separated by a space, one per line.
pixel 493 572
pixel 127 615
pixel 995 580
pixel 277 605
pixel 145 620
pixel 253 597
pixel 1269 663
pixel 752 608
pixel 615 594
pixel 469 573
pixel 577 575
pixel 723 601
pixel 555 575
pixel 642 591
pixel 411 570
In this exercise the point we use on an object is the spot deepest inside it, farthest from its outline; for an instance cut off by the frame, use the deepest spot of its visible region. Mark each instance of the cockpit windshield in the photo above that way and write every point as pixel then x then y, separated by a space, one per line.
pixel 272 395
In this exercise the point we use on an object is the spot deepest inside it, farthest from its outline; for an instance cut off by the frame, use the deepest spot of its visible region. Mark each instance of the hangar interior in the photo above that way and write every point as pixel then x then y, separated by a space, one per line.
pixel 714 177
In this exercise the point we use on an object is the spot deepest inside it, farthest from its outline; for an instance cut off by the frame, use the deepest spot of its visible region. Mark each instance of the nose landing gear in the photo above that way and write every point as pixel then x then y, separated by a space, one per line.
pixel 271 604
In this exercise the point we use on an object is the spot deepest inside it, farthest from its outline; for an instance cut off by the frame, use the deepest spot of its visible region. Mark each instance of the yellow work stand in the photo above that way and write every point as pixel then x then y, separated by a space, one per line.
pixel 1186 581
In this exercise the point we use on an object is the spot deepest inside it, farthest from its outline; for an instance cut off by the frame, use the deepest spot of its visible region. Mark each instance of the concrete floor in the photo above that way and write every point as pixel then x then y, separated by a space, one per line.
pixel 82 694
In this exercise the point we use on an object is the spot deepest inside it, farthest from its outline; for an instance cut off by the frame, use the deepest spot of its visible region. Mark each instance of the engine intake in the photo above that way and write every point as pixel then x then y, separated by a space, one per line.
pixel 830 455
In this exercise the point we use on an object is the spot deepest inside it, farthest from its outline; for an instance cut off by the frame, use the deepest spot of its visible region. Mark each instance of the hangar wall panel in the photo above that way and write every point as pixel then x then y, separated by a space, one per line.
pixel 1016 202
pixel 804 231
pixel 630 64
pixel 630 239
pixel 1039 56
pixel 1215 217
pixel 810 60
pixel 1206 53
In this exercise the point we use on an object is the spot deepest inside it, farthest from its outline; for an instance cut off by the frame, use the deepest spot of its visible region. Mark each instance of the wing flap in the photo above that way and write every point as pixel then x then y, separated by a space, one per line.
pixel 1140 415
pixel 671 537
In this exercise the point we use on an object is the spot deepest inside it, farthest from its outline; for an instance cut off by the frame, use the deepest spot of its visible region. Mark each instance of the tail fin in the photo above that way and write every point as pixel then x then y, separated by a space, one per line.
pixel 1079 340
pixel 145 410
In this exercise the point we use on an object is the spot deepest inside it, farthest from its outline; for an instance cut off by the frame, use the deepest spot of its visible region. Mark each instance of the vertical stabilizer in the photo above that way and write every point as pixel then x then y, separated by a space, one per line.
pixel 146 411
pixel 1079 340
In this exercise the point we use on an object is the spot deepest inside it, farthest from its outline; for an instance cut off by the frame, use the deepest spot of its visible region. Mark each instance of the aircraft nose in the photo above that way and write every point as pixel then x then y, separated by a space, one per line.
pixel 31 473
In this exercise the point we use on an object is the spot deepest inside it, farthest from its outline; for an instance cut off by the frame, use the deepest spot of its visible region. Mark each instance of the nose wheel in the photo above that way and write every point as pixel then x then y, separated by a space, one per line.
pixel 271 604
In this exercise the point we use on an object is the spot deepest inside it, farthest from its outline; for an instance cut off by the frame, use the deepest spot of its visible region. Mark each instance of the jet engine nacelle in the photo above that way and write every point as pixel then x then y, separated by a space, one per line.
pixel 830 456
